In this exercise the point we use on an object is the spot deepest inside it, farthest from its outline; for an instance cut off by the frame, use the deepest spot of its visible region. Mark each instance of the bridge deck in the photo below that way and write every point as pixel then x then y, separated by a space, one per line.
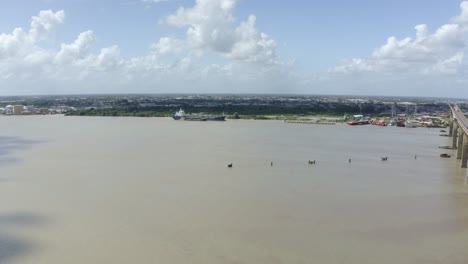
pixel 462 120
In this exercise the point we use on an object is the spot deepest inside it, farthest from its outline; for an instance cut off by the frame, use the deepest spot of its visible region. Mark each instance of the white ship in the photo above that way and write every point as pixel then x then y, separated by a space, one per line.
pixel 180 115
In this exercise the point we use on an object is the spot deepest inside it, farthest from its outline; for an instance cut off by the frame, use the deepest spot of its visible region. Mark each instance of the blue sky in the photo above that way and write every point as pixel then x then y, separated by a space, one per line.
pixel 312 47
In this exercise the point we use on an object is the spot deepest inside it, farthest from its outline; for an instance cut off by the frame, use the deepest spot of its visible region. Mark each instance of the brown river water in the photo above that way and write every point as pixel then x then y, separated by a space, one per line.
pixel 153 190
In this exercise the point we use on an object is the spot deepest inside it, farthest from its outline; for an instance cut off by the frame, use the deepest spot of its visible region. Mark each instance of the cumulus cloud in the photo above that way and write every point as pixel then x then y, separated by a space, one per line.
pixel 248 56
pixel 21 43
pixel 438 52
pixel 210 25
pixel 252 45
pixel 46 22
pixel 167 45
pixel 221 53
pixel 216 52
pixel 109 58
pixel 18 42
pixel 462 19
pixel 22 57
pixel 71 52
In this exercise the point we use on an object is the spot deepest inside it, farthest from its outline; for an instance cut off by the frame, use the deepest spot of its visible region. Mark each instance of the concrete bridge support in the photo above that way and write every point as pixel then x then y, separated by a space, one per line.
pixel 460 144
pixel 465 151
pixel 454 135
pixel 451 127
pixel 459 133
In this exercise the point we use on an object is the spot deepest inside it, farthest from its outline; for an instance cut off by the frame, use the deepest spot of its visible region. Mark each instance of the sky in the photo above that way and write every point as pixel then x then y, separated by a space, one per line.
pixel 341 47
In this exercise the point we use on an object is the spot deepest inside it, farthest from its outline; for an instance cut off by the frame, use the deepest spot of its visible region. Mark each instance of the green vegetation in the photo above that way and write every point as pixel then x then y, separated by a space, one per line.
pixel 323 117
pixel 234 107
pixel 271 112
pixel 119 112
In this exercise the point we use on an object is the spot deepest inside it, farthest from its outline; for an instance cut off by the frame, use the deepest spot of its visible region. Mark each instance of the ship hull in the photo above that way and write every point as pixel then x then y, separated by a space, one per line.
pixel 380 124
pixel 358 123
pixel 216 118
pixel 200 118
pixel 194 118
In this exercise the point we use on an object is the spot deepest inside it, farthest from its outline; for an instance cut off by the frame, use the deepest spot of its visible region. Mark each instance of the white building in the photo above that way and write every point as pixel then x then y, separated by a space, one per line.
pixel 9 110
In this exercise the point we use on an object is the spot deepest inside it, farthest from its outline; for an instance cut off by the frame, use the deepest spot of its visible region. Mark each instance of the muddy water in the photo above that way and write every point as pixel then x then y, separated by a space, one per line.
pixel 136 190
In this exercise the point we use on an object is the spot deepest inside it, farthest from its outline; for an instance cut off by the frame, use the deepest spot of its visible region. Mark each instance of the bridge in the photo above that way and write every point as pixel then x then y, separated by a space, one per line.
pixel 459 133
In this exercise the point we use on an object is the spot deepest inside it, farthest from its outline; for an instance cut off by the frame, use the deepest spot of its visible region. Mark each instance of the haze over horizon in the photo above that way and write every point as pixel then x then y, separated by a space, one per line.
pixel 234 46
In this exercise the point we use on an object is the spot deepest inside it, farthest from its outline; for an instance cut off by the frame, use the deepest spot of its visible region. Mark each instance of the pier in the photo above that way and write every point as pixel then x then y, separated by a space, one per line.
pixel 458 131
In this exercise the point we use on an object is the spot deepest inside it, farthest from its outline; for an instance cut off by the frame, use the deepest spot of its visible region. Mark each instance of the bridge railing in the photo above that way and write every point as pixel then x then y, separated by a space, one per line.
pixel 461 119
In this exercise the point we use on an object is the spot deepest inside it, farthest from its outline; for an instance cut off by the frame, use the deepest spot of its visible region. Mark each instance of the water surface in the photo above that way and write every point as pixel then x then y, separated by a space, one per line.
pixel 153 190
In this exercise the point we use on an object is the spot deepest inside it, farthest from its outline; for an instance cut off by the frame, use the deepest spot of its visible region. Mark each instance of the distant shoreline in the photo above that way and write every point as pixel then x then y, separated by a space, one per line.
pixel 314 109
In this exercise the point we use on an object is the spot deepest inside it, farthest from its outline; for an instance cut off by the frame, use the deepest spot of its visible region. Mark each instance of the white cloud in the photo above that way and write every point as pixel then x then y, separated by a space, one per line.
pixel 21 43
pixel 167 45
pixel 154 1
pixel 14 44
pixel 46 22
pixel 108 59
pixel 71 52
pixel 440 52
pixel 462 19
pixel 248 56
pixel 22 57
pixel 210 25
pixel 37 57
pixel 252 45
pixel 217 53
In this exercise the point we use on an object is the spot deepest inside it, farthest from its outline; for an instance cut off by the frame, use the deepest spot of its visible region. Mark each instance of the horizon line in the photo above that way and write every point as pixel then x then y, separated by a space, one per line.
pixel 231 94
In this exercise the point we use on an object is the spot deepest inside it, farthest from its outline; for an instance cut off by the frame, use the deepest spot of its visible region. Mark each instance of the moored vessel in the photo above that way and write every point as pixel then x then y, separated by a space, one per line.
pixel 358 123
pixel 381 123
pixel 400 123
pixel 180 115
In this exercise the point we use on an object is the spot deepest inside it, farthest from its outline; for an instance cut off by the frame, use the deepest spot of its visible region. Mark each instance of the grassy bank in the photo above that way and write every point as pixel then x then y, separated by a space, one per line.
pixel 321 117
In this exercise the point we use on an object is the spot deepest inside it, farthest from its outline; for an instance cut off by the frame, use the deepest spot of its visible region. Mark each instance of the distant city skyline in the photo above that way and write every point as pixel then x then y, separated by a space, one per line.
pixel 381 48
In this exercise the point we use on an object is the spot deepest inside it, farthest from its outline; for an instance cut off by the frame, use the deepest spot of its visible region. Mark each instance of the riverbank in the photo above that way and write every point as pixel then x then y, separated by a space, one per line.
pixel 320 117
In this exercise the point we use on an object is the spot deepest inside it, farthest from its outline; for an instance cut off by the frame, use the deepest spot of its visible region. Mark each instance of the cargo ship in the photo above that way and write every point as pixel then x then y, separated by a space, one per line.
pixel 180 115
